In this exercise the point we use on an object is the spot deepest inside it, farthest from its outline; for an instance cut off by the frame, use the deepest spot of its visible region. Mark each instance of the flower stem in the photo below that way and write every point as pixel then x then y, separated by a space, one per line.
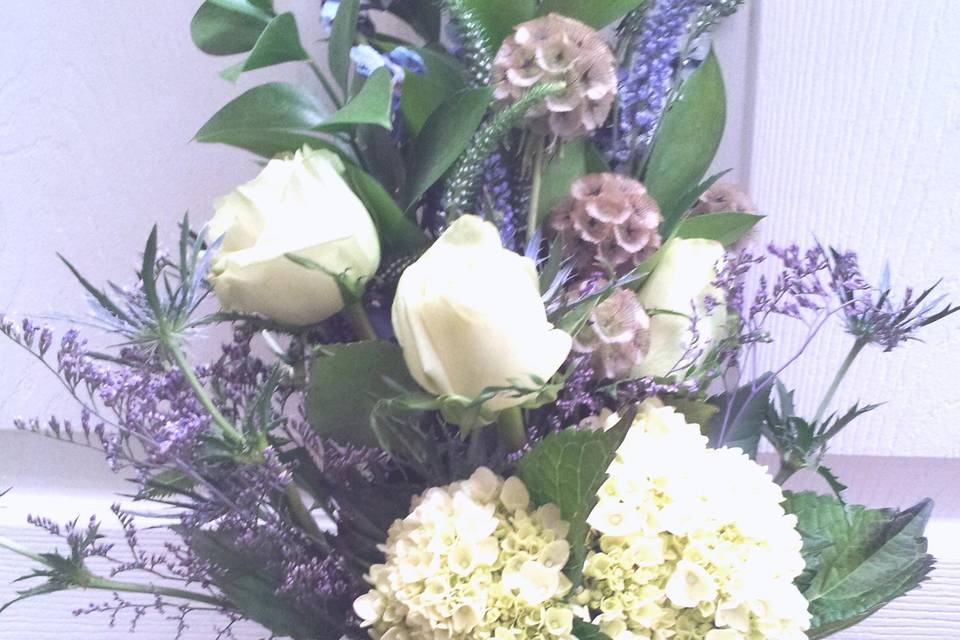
pixel 226 428
pixel 356 315
pixel 510 428
pixel 106 584
pixel 837 379
pixel 10 545
pixel 539 153
pixel 785 473
pixel 300 512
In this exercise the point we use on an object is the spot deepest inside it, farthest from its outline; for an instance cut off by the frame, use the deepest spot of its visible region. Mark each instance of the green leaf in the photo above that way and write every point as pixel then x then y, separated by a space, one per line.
pixel 858 559
pixel 674 216
pixel 745 418
pixel 444 137
pixel 499 17
pixel 267 120
pixel 225 27
pixel 345 385
pixel 688 136
pixel 572 160
pixel 279 42
pixel 422 15
pixel 567 469
pixel 397 231
pixel 584 630
pixel 422 94
pixel 727 228
pixel 694 411
pixel 343 32
pixel 595 14
pixel 370 106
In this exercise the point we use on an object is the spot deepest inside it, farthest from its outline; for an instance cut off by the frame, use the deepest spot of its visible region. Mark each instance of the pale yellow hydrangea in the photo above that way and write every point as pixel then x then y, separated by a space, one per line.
pixel 472 560
pixel 691 543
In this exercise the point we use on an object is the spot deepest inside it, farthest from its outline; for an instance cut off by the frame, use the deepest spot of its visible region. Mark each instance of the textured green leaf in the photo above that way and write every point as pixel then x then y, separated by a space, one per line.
pixel 343 32
pixel 746 416
pixel 499 17
pixel 567 469
pixel 727 228
pixel 596 14
pixel 688 137
pixel 370 106
pixel 858 559
pixel 583 630
pixel 422 94
pixel 279 42
pixel 444 137
pixel 225 27
pixel 345 385
pixel 397 231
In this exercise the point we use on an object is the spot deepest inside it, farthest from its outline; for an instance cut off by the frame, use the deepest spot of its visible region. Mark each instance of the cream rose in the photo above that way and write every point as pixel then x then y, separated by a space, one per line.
pixel 679 284
pixel 468 316
pixel 299 205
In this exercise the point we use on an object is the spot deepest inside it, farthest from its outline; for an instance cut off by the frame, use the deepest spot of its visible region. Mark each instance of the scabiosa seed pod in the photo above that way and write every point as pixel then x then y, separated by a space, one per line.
pixel 555 48
pixel 608 219
pixel 617 335
pixel 725 197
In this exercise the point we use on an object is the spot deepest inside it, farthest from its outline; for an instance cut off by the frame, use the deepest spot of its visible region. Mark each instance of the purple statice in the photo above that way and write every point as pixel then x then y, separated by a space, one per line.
pixel 649 75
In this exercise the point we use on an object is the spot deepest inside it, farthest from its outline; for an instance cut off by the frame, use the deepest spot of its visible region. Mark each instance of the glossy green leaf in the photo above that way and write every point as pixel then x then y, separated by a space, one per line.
pixel 674 215
pixel 688 137
pixel 397 231
pixel 267 120
pixel 343 32
pixel 499 17
pixel 583 630
pixel 567 469
pixel 858 559
pixel 279 42
pixel 596 14
pixel 225 27
pixel 422 94
pixel 370 106
pixel 422 15
pixel 727 228
pixel 347 382
pixel 573 159
pixel 444 137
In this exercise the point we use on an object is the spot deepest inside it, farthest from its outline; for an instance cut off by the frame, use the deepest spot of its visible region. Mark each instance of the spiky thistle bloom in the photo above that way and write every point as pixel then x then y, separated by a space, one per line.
pixel 558 49
pixel 608 219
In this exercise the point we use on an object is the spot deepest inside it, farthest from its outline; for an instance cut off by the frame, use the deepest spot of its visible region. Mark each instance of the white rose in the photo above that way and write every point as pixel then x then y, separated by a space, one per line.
pixel 680 282
pixel 300 205
pixel 468 316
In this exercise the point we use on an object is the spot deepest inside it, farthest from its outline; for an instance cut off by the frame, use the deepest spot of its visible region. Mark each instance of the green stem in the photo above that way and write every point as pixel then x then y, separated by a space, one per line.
pixel 837 379
pixel 510 428
pixel 105 584
pixel 356 315
pixel 535 185
pixel 226 428
pixel 327 87
pixel 300 512
pixel 10 545
pixel 785 473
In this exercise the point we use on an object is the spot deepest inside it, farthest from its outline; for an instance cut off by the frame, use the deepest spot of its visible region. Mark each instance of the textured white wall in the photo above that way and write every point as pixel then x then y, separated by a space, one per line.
pixel 844 120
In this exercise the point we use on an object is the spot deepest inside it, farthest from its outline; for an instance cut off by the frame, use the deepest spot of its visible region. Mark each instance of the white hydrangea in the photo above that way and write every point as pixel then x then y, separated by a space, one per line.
pixel 472 560
pixel 691 543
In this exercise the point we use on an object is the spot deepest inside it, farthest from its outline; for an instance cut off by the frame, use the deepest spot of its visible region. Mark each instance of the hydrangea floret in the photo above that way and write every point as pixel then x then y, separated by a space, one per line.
pixel 473 559
pixel 680 552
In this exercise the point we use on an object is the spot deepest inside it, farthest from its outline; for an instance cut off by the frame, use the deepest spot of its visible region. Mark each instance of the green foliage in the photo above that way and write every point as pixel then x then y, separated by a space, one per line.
pixel 858 559
pixel 347 381
pixel 225 27
pixel 583 630
pixel 279 42
pixel 397 231
pixel 595 14
pixel 478 47
pixel 423 94
pixel 370 106
pixel 688 137
pixel 573 159
pixel 461 186
pixel 343 32
pixel 567 469
pixel 423 16
pixel 499 17
pixel 726 228
pixel 444 136
pixel 744 412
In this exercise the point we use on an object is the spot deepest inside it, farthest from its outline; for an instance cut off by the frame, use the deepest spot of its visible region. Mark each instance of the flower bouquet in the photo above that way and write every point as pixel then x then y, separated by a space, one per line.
pixel 489 363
